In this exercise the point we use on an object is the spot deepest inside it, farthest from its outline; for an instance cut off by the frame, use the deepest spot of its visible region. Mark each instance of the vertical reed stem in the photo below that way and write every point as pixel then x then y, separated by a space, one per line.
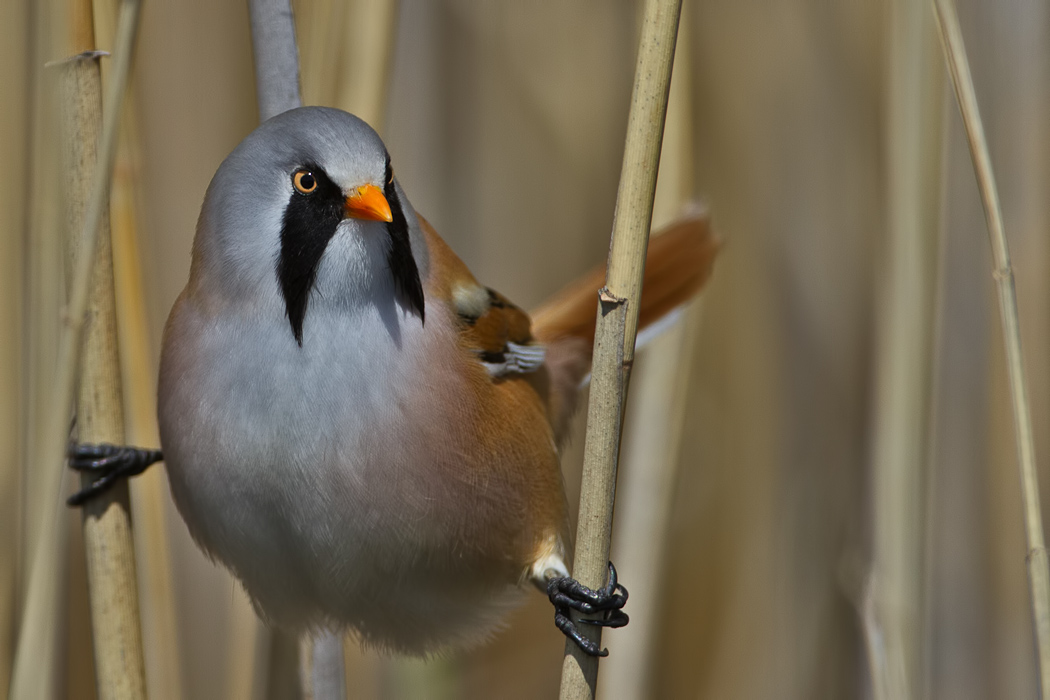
pixel 652 441
pixel 276 57
pixel 109 547
pixel 45 298
pixel 323 672
pixel 904 350
pixel 617 322
pixel 149 491
pixel 118 644
pixel 15 47
pixel 1038 566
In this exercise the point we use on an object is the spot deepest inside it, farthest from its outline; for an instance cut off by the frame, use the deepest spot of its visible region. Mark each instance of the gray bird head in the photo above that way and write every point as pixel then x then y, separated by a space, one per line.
pixel 306 211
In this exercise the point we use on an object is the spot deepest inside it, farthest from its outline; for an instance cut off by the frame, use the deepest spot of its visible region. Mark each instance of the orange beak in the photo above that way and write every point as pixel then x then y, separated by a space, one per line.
pixel 368 203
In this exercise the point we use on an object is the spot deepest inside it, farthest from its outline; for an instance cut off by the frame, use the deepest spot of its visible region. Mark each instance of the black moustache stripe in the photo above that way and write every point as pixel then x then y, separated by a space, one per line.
pixel 310 221
pixel 402 263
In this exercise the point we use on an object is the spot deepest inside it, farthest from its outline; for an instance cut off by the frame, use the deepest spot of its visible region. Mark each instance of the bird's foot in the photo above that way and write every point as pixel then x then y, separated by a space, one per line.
pixel 569 594
pixel 110 462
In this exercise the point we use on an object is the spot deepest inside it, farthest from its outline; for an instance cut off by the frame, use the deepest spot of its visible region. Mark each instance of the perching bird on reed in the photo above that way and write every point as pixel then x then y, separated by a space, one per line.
pixel 365 435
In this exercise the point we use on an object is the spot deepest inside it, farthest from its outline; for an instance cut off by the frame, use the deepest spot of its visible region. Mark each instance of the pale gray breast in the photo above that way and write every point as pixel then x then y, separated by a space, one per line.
pixel 315 460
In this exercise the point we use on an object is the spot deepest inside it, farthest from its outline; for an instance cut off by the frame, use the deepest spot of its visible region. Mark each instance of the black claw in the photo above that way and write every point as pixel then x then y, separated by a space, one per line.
pixel 567 628
pixel 112 462
pixel 569 594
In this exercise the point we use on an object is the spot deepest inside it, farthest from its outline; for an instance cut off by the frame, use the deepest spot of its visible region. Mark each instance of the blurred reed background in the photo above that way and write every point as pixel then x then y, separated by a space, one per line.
pixel 767 443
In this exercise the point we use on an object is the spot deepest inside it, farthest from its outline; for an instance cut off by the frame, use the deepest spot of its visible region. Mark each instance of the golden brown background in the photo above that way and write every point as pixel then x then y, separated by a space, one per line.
pixel 505 122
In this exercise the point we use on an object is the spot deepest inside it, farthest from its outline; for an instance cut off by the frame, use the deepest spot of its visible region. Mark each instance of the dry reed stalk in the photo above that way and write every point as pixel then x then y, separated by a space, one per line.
pixel 904 353
pixel 109 546
pixel 653 438
pixel 118 663
pixel 45 294
pixel 322 673
pixel 138 379
pixel 617 321
pixel 149 490
pixel 80 115
pixel 14 112
pixel 1038 566
pixel 276 57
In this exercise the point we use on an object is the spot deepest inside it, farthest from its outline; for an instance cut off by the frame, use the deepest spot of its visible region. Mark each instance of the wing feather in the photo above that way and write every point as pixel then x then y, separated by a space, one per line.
pixel 494 329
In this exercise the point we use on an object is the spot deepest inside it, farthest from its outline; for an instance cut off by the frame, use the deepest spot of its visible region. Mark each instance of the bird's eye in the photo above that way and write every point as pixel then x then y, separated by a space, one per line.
pixel 304 181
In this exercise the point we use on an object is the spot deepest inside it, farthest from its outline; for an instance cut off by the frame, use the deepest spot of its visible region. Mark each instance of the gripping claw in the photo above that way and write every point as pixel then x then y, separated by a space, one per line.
pixel 110 462
pixel 569 594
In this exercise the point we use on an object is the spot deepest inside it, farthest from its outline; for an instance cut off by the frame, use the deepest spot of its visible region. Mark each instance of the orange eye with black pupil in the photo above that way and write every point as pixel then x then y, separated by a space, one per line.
pixel 304 181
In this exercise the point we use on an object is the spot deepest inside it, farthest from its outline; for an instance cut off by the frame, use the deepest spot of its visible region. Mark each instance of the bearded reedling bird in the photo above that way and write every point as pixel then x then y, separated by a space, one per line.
pixel 365 435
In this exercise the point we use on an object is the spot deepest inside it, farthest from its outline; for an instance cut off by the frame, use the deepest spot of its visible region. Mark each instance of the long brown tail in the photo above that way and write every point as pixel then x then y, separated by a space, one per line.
pixel 678 263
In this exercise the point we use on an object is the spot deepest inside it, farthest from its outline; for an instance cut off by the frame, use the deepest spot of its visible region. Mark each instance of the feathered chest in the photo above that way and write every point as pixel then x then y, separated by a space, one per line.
pixel 253 392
